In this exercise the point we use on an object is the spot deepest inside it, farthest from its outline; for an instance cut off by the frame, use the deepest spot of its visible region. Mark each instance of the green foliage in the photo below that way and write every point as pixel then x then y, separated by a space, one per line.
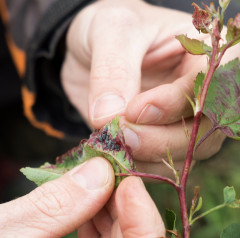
pixel 222 105
pixel 230 197
pixel 198 84
pixel 107 142
pixel 40 175
pixel 194 46
pixel 229 194
pixel 232 231
pixel 170 217
pixel 224 4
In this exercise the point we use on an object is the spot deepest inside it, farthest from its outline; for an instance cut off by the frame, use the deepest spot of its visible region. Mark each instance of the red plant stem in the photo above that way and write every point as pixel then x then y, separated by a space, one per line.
pixel 189 156
pixel 151 176
pixel 186 168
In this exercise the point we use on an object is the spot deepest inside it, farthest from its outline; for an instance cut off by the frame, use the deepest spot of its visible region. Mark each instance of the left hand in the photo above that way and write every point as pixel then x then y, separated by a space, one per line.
pixel 76 201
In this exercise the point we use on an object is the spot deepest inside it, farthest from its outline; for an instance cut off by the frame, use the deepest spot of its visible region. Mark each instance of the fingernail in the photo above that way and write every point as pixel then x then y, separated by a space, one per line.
pixel 108 105
pixel 92 175
pixel 149 114
pixel 131 138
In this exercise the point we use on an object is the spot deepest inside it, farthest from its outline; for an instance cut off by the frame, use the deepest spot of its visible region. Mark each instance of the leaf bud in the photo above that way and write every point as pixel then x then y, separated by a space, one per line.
pixel 201 19
pixel 224 3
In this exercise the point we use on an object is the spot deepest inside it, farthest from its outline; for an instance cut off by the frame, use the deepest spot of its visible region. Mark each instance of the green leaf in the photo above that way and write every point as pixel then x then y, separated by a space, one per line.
pixel 198 83
pixel 230 197
pixel 229 194
pixel 232 231
pixel 170 217
pixel 193 46
pixel 224 4
pixel 222 105
pixel 39 176
pixel 199 205
pixel 107 142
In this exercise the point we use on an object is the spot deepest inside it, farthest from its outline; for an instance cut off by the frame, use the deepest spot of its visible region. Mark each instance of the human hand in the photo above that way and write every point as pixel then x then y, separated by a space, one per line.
pixel 122 57
pixel 129 213
pixel 69 203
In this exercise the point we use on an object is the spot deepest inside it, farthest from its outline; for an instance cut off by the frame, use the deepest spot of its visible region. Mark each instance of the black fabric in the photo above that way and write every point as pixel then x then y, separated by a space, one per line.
pixel 44 60
pixel 10 82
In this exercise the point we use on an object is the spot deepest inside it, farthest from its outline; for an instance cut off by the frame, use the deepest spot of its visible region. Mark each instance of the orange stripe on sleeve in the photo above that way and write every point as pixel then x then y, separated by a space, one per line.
pixel 3 11
pixel 28 101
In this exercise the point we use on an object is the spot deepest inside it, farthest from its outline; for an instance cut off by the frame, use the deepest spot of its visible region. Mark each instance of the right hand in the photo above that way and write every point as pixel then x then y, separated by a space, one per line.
pixel 122 56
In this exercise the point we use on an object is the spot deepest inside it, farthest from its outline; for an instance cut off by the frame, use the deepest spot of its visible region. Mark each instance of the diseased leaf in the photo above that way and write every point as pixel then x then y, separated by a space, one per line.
pixel 201 19
pixel 232 231
pixel 222 103
pixel 107 142
pixel 194 46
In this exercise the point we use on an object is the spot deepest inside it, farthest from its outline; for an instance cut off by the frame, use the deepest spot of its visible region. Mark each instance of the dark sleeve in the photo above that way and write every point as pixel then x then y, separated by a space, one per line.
pixel 45 103
pixel 24 16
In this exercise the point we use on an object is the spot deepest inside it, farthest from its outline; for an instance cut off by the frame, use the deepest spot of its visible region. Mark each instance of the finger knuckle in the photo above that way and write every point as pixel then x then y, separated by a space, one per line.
pixel 117 16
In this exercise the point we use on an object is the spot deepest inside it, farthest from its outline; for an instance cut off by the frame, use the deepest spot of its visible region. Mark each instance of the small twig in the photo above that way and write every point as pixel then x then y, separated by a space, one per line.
pixel 228 45
pixel 207 212
pixel 150 176
pixel 206 136
pixel 174 171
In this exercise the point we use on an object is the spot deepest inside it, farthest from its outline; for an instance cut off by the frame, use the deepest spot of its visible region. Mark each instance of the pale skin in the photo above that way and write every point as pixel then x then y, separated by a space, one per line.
pixel 123 58
pixel 76 202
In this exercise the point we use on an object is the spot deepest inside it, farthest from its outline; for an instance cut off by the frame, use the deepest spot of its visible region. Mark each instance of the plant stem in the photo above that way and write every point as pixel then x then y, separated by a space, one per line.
pixel 208 212
pixel 196 124
pixel 150 176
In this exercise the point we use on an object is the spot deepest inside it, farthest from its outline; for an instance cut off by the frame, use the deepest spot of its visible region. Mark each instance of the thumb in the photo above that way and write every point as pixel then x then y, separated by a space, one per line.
pixel 61 206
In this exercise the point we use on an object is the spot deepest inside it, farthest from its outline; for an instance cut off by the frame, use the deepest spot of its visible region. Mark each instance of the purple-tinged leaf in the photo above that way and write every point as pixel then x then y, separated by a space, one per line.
pixel 222 103
pixel 194 46
pixel 107 142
